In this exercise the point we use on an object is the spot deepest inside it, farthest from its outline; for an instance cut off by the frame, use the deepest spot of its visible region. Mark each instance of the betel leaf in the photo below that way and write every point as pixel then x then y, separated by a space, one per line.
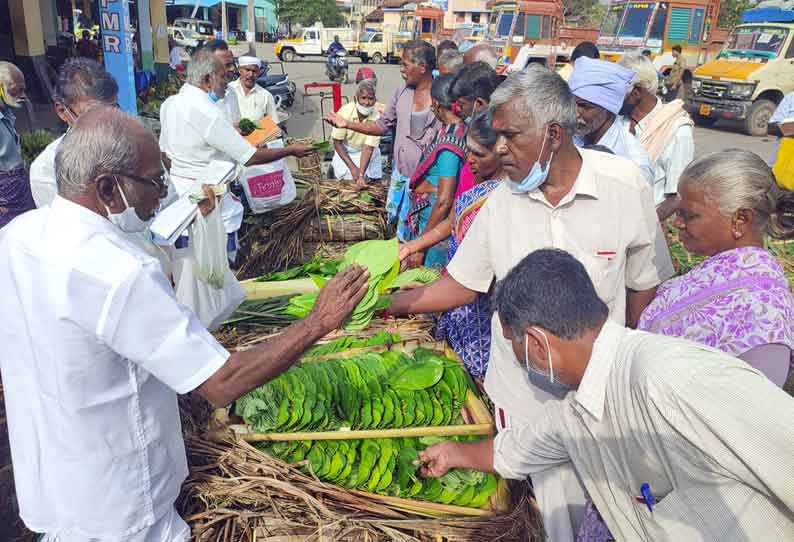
pixel 421 275
pixel 418 375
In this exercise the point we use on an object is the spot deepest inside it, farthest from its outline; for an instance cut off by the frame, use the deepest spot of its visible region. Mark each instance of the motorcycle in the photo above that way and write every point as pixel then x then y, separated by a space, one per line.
pixel 279 85
pixel 336 67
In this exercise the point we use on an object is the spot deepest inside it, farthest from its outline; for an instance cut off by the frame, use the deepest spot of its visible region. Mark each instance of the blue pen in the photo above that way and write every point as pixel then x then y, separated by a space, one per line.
pixel 650 500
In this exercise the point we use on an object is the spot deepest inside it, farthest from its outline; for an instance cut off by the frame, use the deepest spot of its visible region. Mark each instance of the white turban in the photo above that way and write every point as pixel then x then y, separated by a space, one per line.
pixel 249 61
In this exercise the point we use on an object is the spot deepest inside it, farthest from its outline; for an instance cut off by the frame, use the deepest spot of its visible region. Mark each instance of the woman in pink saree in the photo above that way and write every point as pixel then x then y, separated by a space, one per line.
pixel 737 299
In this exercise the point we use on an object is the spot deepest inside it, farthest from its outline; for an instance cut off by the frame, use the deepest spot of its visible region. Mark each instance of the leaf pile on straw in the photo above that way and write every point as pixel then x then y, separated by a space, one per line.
pixel 326 213
pixel 235 493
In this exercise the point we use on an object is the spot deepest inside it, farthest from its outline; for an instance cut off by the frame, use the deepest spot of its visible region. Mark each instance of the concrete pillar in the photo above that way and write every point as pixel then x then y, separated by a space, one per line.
pixel 145 33
pixel 251 22
pixel 28 32
pixel 159 38
pixel 49 22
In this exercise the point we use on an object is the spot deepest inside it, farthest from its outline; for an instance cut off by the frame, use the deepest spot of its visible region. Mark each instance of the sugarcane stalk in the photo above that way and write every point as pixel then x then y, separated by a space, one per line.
pixel 242 432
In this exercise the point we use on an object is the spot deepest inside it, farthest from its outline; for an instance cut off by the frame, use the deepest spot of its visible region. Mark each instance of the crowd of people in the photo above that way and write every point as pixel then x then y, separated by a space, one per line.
pixel 639 404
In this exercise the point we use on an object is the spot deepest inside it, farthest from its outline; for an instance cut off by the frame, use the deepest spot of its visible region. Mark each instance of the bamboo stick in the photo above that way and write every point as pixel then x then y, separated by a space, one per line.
pixel 255 291
pixel 243 433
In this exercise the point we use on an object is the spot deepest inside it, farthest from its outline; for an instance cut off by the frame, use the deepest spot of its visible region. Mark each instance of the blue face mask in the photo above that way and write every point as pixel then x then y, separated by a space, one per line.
pixel 542 380
pixel 214 97
pixel 435 73
pixel 536 176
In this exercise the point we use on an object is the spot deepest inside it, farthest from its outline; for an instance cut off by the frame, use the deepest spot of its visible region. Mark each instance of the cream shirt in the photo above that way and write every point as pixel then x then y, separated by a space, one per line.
pixel 256 104
pixel 95 350
pixel 709 434
pixel 353 139
pixel 607 221
pixel 194 131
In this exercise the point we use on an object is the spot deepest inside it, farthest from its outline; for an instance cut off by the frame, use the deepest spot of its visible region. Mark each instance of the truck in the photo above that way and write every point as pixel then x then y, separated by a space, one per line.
pixel 314 41
pixel 630 27
pixel 376 47
pixel 750 76
pixel 419 22
pixel 539 23
pixel 203 28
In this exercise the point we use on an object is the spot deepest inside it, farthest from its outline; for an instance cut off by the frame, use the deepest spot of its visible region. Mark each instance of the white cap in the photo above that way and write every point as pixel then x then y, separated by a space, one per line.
pixel 249 61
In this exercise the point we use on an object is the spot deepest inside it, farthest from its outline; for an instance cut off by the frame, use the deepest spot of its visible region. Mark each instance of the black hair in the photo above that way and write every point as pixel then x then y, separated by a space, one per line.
pixel 550 289
pixel 475 80
pixel 677 48
pixel 586 48
pixel 79 77
pixel 216 45
pixel 481 128
pixel 646 52
pixel 441 89
pixel 422 53
pixel 444 45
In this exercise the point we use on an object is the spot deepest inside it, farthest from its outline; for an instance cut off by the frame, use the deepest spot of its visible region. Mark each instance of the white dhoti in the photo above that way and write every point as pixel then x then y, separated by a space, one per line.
pixel 342 172
pixel 558 491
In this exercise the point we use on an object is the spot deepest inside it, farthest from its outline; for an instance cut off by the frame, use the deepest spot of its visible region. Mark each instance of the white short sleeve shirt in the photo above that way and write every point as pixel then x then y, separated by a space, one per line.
pixel 195 131
pixel 256 104
pixel 608 222
pixel 42 175
pixel 95 350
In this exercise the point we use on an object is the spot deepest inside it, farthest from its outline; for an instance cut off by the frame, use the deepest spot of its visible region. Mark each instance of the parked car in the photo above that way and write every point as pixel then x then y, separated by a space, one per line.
pixel 185 37
pixel 199 26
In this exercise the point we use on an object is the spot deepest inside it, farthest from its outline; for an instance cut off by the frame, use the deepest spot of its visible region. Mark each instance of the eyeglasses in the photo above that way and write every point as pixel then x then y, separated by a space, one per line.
pixel 161 183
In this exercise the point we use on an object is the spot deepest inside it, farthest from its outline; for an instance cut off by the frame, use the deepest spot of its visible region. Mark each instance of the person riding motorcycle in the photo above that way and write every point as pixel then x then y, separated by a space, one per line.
pixel 334 49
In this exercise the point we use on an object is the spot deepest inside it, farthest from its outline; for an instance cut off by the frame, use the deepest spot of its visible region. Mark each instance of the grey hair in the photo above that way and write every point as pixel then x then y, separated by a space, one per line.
pixel 544 96
pixel 85 78
pixel 451 59
pixel 647 77
pixel 102 140
pixel 551 289
pixel 7 72
pixel 367 84
pixel 736 179
pixel 202 63
pixel 486 54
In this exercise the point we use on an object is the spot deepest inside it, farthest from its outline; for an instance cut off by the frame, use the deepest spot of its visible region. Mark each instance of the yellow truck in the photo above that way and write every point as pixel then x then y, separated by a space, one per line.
pixel 751 74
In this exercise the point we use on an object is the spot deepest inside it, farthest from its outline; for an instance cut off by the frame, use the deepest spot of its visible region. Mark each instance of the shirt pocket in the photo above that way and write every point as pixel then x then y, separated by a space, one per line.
pixel 603 266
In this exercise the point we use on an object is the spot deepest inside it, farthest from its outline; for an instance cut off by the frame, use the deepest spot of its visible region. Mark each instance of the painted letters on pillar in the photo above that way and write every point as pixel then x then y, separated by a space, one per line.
pixel 114 20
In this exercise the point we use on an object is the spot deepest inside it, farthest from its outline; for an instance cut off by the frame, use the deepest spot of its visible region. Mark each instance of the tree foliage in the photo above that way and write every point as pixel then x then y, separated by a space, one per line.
pixel 584 12
pixel 308 12
pixel 731 11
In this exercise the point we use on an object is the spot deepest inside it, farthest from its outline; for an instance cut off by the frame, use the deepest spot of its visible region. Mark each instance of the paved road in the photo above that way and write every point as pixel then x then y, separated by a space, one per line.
pixel 307 123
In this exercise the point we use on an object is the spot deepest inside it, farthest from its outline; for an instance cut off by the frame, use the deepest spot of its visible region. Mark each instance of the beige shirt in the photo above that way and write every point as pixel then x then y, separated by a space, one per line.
pixel 256 104
pixel 607 221
pixel 709 434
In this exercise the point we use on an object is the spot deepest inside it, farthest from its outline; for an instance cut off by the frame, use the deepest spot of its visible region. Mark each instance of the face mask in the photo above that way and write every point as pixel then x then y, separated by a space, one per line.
pixel 435 73
pixel 536 176
pixel 213 96
pixel 363 109
pixel 540 379
pixel 128 220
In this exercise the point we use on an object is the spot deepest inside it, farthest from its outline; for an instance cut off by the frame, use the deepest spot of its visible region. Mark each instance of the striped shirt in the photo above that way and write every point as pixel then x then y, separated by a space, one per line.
pixel 710 435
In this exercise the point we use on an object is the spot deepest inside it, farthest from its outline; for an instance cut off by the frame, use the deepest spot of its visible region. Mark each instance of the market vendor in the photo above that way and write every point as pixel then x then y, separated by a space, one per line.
pixel 409 113
pixel 96 348
pixel 15 196
pixel 254 101
pixel 593 204
pixel 82 84
pixel 673 441
pixel 356 155
pixel 194 133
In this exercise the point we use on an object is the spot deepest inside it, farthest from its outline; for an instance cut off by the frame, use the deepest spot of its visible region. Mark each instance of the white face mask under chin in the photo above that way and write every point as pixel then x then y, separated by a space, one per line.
pixel 364 110
pixel 128 220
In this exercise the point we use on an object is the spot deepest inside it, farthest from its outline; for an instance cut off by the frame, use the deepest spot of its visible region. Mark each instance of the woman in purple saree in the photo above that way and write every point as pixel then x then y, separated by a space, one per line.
pixel 738 299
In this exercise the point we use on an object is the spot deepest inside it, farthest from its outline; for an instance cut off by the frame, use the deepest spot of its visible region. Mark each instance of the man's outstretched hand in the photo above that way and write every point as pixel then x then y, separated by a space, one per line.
pixel 339 297
pixel 335 120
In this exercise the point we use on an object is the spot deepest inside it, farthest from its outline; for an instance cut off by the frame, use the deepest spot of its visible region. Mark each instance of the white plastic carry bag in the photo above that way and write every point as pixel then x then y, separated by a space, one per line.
pixel 269 186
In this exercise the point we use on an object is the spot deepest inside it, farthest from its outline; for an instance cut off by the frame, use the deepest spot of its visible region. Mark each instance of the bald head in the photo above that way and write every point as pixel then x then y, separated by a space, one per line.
pixel 103 139
pixel 482 52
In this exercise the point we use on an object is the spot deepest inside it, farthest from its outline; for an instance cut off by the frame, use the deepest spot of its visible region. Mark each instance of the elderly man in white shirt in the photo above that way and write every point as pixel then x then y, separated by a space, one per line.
pixel 254 101
pixel 665 130
pixel 82 83
pixel 594 204
pixel 96 348
pixel 673 440
pixel 228 102
pixel 194 132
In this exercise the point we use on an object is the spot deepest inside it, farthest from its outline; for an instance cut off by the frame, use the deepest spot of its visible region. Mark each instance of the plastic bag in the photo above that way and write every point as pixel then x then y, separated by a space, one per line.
pixel 784 164
pixel 208 237
pixel 268 186
pixel 212 306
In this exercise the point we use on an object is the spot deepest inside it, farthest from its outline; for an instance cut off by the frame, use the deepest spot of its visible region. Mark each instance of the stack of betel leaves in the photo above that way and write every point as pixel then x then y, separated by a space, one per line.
pixel 369 391
pixel 386 466
pixel 381 259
